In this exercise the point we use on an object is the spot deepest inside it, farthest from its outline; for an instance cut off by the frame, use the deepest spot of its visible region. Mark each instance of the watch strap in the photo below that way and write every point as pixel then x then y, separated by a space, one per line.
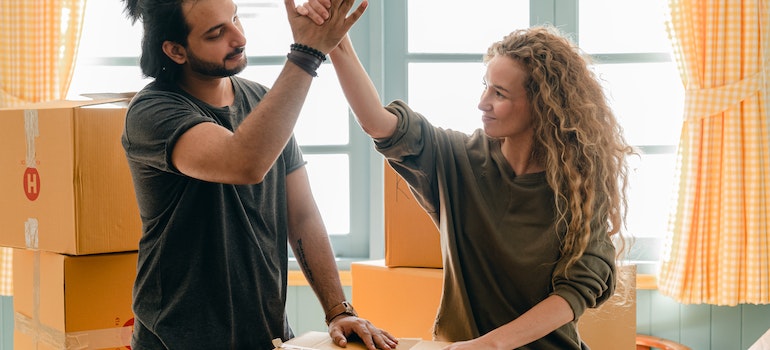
pixel 342 308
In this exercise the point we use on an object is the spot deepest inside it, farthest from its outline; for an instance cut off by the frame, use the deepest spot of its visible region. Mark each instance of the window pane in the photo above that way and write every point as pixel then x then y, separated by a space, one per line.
pixel 458 26
pixel 91 79
pixel 324 116
pixel 107 32
pixel 265 26
pixel 648 99
pixel 622 26
pixel 430 89
pixel 650 190
pixel 330 180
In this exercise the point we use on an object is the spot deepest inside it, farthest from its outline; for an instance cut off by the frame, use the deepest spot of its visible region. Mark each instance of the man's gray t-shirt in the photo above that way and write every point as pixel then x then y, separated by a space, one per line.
pixel 213 257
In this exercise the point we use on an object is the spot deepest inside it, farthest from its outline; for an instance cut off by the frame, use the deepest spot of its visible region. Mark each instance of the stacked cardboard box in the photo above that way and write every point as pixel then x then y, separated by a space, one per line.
pixel 401 293
pixel 70 215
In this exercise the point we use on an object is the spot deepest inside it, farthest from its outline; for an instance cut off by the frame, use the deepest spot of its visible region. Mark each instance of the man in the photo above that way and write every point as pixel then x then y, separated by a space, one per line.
pixel 221 183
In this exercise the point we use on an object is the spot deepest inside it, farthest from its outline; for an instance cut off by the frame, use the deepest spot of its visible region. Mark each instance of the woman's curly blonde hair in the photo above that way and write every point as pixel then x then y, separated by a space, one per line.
pixel 577 137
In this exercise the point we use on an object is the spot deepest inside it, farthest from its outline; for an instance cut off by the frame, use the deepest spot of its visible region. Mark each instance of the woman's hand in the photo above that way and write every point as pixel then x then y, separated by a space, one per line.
pixel 317 10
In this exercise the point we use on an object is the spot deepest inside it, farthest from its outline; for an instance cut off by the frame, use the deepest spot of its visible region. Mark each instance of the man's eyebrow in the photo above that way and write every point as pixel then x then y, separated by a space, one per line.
pixel 216 27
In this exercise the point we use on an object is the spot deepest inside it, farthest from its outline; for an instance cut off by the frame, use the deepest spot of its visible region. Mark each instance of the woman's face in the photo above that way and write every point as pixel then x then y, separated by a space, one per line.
pixel 505 108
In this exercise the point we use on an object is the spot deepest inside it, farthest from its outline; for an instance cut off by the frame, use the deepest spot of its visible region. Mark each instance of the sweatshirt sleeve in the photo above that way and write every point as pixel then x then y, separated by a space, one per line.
pixel 592 279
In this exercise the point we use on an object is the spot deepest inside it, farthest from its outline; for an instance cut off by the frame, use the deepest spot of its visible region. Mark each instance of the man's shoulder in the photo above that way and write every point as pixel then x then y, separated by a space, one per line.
pixel 249 85
pixel 156 93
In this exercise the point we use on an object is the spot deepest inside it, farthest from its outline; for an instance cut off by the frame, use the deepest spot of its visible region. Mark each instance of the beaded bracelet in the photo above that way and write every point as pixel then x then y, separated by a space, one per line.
pixel 307 49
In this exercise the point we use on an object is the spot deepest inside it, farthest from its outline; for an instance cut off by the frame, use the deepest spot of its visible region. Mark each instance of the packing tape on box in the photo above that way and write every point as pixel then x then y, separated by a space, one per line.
pixel 92 339
pixel 32 131
pixel 30 233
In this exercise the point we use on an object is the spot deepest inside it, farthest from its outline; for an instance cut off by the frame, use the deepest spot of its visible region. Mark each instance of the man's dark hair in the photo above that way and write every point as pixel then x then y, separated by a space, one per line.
pixel 163 20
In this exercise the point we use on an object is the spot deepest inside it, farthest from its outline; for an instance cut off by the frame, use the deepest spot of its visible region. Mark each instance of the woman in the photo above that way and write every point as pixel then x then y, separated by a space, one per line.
pixel 528 206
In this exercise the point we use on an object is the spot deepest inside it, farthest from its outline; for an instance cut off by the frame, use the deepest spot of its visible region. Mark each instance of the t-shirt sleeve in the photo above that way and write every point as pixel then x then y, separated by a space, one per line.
pixel 592 279
pixel 154 122
pixel 292 155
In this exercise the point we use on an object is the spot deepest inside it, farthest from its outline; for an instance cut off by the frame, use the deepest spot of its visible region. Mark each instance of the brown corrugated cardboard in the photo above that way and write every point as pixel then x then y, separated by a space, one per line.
pixel 65 180
pixel 411 237
pixel 72 302
pixel 401 300
pixel 404 301
pixel 322 341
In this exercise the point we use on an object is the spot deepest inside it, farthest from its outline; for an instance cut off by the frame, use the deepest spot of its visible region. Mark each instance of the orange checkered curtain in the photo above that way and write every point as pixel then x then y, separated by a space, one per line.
pixel 38 46
pixel 718 246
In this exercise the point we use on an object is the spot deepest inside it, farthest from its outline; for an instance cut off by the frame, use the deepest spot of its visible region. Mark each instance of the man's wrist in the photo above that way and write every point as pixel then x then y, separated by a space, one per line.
pixel 343 308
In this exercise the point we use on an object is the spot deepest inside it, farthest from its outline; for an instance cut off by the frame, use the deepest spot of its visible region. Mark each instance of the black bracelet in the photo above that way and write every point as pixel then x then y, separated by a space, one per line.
pixel 307 49
pixel 308 62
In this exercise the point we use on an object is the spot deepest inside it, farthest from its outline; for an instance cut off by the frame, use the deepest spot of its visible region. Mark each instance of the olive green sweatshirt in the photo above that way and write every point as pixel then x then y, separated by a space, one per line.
pixel 498 237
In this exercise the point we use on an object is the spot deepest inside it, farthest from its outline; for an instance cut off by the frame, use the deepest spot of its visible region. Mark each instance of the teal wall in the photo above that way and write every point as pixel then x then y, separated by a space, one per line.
pixel 6 323
pixel 701 327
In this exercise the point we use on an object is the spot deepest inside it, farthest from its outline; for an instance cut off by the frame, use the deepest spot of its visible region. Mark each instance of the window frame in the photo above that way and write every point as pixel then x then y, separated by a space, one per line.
pixel 380 38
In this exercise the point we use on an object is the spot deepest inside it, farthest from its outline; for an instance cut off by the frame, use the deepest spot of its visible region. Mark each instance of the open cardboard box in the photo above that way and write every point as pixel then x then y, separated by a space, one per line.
pixel 72 302
pixel 322 341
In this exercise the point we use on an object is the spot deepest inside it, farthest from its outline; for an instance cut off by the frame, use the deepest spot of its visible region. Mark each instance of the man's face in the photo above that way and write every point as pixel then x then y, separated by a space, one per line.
pixel 216 42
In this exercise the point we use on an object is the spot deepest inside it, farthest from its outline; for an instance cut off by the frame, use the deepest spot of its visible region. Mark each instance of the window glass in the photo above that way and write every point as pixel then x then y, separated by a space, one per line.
pixel 107 32
pixel 622 26
pixel 647 98
pixel 458 26
pixel 650 190
pixel 646 95
pixel 108 59
pixel 447 93
pixel 93 79
pixel 324 116
pixel 266 27
pixel 330 181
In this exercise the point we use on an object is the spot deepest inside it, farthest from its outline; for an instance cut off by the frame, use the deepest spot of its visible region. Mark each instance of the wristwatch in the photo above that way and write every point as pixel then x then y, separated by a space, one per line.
pixel 342 308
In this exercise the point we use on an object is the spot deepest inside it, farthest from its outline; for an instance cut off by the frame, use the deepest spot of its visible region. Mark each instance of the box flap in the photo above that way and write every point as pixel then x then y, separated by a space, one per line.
pixel 66 103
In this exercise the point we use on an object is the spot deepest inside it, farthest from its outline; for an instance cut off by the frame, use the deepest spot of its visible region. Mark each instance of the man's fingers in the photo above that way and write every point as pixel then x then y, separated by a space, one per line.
pixel 338 337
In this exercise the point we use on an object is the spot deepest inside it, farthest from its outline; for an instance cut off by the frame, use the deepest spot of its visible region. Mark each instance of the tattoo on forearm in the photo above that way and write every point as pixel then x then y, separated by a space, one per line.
pixel 303 261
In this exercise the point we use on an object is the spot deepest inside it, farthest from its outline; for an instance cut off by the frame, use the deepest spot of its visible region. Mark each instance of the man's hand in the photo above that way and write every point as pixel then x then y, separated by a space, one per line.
pixel 334 26
pixel 342 327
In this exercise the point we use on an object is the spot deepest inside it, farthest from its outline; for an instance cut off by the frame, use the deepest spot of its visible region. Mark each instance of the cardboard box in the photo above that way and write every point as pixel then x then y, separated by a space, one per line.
pixel 322 341
pixel 72 302
pixel 65 180
pixel 404 301
pixel 401 300
pixel 411 237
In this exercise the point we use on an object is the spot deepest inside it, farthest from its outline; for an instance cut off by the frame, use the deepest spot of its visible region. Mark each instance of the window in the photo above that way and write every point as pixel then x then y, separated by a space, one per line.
pixel 429 52
pixel 110 47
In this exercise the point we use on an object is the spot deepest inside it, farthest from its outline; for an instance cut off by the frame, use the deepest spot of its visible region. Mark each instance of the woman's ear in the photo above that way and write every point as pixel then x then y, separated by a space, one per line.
pixel 175 52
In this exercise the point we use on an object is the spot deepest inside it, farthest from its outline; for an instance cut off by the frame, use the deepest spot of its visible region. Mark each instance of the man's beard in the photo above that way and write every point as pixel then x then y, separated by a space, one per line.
pixel 214 69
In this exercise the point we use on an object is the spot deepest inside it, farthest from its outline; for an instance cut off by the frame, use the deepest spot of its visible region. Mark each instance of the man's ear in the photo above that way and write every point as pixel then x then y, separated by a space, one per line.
pixel 175 52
